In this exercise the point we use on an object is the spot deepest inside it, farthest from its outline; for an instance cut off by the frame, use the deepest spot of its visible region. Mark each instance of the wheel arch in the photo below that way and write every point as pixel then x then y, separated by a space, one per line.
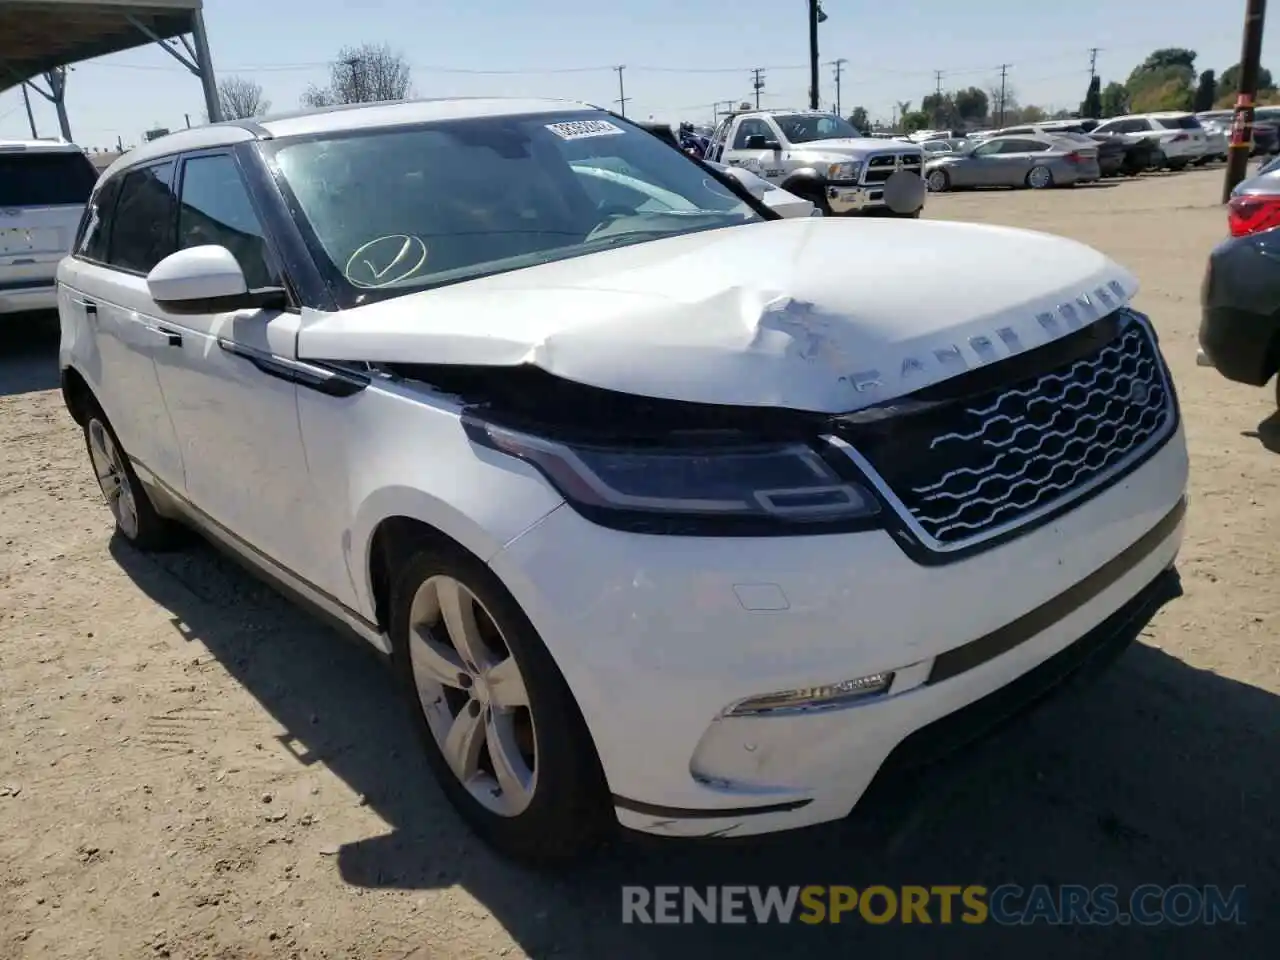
pixel 393 521
pixel 77 395
pixel 806 178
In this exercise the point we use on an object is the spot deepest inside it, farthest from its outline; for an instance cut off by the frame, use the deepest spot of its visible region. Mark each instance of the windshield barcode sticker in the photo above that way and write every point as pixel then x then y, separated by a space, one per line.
pixel 582 129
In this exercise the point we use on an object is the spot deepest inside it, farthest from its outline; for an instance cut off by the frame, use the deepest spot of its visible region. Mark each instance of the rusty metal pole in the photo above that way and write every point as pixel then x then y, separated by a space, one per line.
pixel 1242 123
pixel 813 54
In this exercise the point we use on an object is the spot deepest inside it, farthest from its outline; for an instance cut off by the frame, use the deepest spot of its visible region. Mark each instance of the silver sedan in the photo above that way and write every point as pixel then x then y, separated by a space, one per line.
pixel 1017 161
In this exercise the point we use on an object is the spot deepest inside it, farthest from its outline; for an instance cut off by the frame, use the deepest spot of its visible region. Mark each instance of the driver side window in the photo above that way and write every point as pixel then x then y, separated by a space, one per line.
pixel 214 208
pixel 988 149
pixel 751 128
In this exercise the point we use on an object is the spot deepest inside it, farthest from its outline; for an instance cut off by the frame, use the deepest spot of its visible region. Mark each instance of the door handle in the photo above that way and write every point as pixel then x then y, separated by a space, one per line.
pixel 89 307
pixel 172 337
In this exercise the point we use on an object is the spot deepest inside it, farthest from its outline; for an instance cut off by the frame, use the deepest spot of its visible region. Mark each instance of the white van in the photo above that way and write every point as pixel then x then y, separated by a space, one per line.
pixel 43 188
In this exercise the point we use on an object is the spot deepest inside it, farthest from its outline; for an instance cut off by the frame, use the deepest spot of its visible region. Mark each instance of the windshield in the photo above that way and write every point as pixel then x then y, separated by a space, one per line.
pixel 1179 123
pixel 45 178
pixel 806 127
pixel 388 212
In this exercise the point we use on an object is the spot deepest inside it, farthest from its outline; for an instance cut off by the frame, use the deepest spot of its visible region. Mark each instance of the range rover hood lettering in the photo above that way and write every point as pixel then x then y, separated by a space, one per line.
pixel 822 314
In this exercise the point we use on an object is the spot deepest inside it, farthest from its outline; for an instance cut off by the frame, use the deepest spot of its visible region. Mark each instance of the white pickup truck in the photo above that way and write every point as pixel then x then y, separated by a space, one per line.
pixel 818 156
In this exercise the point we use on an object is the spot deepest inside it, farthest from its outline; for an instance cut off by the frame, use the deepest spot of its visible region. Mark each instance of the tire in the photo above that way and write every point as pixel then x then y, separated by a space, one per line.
pixel 938 181
pixel 557 808
pixel 1177 166
pixel 135 515
pixel 1039 178
pixel 815 195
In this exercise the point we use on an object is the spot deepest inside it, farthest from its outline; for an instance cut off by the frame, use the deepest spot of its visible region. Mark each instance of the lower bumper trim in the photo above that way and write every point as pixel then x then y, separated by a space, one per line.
pixel 682 813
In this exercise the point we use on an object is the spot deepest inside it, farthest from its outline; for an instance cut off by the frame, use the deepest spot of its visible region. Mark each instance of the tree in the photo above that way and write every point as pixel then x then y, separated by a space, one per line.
pixel 364 74
pixel 1167 89
pixel 1229 82
pixel 1092 105
pixel 914 120
pixel 972 104
pixel 241 98
pixel 1115 100
pixel 1206 92
pixel 859 120
pixel 1166 57
pixel 940 109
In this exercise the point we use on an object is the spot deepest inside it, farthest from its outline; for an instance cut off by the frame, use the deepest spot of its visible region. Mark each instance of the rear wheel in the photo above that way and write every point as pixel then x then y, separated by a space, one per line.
pixel 136 518
pixel 503 733
pixel 938 181
pixel 1039 178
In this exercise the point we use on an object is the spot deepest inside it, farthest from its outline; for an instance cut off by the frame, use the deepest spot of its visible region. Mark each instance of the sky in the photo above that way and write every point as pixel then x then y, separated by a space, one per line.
pixel 680 57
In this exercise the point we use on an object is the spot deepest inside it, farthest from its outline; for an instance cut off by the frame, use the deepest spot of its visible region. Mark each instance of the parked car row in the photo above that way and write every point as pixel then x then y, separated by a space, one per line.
pixel 1066 152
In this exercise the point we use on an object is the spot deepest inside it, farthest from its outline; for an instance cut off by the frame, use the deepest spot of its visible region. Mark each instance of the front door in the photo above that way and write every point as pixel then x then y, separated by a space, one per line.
pixel 237 423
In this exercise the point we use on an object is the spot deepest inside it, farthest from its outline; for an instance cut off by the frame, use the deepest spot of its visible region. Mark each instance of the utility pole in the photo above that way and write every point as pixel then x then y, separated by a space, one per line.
pixel 1004 74
pixel 187 117
pixel 1093 63
pixel 31 117
pixel 622 93
pixel 757 83
pixel 815 12
pixel 1242 123
pixel 839 65
pixel 937 94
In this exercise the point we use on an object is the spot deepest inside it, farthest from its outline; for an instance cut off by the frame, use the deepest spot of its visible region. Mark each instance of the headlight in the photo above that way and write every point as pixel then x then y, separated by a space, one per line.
pixel 848 170
pixel 747 490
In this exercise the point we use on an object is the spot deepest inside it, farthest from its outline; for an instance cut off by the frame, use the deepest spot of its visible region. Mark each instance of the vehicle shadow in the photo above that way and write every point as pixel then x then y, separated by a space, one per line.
pixel 1155 772
pixel 1268 433
pixel 28 353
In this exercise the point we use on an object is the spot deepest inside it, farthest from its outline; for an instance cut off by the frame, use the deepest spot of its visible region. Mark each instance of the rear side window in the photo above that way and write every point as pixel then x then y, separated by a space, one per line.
pixel 142 224
pixel 42 179
pixel 1179 123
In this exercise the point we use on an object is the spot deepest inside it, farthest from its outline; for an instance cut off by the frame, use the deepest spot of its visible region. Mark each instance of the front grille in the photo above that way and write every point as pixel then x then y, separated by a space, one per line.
pixel 974 467
pixel 881 167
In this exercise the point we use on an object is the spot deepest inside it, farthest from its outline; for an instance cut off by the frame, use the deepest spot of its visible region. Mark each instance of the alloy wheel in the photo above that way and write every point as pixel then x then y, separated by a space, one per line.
pixel 113 479
pixel 937 181
pixel 473 696
pixel 1040 178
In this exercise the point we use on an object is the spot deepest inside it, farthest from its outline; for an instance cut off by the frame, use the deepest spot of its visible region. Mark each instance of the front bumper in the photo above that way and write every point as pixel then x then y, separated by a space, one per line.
pixel 844 199
pixel 657 635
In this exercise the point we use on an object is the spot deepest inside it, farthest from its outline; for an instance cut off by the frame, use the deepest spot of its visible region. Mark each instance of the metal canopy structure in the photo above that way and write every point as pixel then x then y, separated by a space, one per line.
pixel 40 39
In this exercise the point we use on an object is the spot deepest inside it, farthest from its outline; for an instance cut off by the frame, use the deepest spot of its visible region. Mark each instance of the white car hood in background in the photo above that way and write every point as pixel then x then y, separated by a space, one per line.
pixel 852 146
pixel 818 314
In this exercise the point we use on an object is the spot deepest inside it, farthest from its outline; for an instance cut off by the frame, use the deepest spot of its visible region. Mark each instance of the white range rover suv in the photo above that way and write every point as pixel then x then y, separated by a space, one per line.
pixel 694 521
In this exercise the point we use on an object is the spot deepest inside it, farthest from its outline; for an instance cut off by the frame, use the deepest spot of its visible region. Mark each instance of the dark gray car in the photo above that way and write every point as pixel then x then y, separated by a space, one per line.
pixel 1018 161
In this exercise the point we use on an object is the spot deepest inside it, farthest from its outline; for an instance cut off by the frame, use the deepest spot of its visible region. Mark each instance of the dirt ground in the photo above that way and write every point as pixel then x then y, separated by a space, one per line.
pixel 191 768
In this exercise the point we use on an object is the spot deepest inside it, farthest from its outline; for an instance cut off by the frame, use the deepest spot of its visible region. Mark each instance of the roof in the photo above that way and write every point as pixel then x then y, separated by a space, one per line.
pixel 37 146
pixel 356 116
pixel 39 35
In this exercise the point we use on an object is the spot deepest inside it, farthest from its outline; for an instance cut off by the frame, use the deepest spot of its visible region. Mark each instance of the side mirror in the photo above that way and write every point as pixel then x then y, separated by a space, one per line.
pixel 758 141
pixel 206 279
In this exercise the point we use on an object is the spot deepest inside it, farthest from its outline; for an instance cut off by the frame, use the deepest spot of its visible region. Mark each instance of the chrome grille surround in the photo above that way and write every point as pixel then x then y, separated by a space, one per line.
pixel 879 167
pixel 1028 449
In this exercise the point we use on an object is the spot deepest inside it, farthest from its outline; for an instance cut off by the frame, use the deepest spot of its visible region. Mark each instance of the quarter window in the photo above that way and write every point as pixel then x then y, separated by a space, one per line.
pixel 142 224
pixel 99 214
pixel 215 209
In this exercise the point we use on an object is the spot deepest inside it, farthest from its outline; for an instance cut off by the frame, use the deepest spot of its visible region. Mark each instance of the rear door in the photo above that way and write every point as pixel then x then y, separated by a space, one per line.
pixel 42 195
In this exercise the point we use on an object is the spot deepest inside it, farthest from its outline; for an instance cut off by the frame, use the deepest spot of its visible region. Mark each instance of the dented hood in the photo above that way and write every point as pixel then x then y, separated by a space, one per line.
pixel 820 314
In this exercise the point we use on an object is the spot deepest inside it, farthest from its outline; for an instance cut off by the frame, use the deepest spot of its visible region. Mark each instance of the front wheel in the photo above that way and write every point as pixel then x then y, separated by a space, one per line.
pixel 503 733
pixel 136 517
pixel 1040 178
pixel 938 181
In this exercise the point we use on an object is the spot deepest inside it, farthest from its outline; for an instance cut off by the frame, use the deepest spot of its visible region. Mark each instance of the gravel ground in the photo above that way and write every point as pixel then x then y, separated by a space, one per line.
pixel 190 768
